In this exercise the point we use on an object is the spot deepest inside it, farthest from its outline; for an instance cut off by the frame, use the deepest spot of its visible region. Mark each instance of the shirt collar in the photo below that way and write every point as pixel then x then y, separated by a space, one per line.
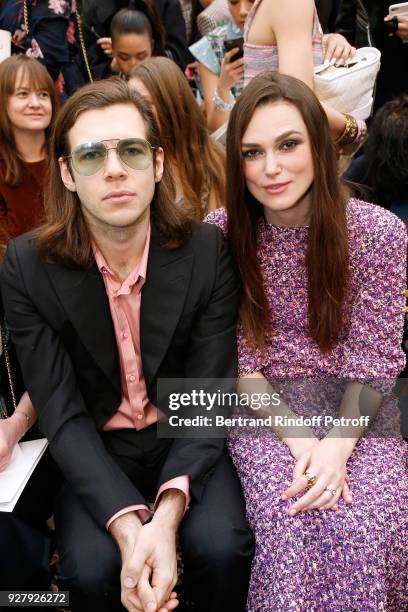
pixel 233 30
pixel 139 273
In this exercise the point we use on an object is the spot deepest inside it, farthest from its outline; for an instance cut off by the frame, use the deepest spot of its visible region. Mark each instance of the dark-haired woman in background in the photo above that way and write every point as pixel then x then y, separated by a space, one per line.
pixel 28 102
pixel 197 162
pixel 136 35
pixel 321 322
pixel 384 166
pixel 98 17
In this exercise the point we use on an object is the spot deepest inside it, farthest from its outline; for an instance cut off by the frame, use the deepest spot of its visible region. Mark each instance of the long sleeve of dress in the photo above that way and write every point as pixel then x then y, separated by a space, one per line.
pixel 372 350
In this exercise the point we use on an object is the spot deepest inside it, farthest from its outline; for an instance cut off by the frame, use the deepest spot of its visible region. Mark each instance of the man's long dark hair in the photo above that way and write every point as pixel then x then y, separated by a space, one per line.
pixel 64 237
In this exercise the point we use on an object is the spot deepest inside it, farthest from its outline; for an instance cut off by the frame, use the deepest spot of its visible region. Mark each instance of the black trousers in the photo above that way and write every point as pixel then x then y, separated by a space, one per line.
pixel 216 544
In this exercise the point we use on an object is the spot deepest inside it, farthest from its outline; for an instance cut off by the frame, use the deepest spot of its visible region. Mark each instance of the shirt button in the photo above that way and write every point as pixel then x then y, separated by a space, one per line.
pixel 124 335
pixel 139 417
pixel 132 378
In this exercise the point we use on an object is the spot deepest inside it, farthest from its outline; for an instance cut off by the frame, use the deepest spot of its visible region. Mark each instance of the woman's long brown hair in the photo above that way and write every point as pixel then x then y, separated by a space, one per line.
pixel 327 257
pixel 38 77
pixel 184 133
pixel 64 238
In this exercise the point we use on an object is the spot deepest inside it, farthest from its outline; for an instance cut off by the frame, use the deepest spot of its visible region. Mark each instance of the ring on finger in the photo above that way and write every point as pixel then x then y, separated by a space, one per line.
pixel 332 491
pixel 311 479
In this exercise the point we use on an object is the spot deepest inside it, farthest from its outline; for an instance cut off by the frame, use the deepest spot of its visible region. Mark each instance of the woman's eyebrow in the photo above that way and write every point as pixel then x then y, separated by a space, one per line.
pixel 278 138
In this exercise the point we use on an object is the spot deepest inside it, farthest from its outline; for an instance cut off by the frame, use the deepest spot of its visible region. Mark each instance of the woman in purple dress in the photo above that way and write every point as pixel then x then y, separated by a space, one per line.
pixel 321 324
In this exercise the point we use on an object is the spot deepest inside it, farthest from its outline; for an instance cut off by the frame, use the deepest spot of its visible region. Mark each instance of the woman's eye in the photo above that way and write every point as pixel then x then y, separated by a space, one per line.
pixel 289 145
pixel 44 94
pixel 252 154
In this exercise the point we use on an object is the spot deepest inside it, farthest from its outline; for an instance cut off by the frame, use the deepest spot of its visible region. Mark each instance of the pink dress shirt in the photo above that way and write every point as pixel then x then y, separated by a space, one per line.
pixel 135 410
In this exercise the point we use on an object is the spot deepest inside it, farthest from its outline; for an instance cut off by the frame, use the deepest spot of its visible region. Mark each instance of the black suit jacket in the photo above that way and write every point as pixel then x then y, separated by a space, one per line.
pixel 62 328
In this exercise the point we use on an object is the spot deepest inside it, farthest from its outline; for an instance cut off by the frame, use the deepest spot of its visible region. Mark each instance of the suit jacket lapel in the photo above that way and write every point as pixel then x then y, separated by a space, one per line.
pixel 163 297
pixel 83 295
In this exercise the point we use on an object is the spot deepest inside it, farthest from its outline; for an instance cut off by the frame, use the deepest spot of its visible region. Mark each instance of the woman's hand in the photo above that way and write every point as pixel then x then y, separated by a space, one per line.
pixel 10 433
pixel 106 45
pixel 14 427
pixel 337 48
pixel 299 446
pixel 326 461
pixel 231 71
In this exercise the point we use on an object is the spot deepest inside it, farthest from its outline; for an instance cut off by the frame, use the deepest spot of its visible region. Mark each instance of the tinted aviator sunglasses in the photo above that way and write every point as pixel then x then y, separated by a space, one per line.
pixel 89 157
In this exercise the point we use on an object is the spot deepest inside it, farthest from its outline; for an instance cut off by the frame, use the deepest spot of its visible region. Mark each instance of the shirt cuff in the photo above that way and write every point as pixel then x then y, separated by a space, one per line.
pixel 142 512
pixel 182 483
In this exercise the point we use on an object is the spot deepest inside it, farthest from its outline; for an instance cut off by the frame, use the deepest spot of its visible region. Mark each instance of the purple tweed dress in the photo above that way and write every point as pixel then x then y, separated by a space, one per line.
pixel 355 559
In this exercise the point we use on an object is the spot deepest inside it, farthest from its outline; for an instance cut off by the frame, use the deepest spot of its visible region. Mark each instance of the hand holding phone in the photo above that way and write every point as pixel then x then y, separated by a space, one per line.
pixel 396 22
pixel 234 43
pixel 398 9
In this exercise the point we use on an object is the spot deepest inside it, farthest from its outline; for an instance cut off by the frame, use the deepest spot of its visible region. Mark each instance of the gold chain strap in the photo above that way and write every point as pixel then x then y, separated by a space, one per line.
pixel 26 20
pixel 82 43
pixel 4 351
pixel 80 31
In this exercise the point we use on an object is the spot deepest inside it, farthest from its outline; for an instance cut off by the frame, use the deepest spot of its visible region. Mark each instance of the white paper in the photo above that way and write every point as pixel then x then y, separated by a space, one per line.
pixel 5 44
pixel 15 477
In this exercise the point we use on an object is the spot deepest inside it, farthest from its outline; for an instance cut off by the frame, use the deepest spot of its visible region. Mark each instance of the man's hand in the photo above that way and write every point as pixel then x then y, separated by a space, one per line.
pixel 150 572
pixel 125 530
pixel 149 564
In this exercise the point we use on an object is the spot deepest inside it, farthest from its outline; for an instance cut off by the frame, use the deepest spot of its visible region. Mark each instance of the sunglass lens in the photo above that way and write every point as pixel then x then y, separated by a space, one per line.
pixel 88 158
pixel 135 153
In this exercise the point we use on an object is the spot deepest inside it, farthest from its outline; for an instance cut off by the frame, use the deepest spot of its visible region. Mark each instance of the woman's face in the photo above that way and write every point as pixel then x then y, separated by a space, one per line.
pixel 278 163
pixel 28 107
pixel 131 49
pixel 239 10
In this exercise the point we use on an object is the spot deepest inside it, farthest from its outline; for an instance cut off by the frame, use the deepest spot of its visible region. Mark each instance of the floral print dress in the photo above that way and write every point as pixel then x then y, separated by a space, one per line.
pixel 51 38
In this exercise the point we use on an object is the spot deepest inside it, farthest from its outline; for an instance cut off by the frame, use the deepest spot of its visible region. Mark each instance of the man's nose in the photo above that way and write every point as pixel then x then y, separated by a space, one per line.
pixel 113 164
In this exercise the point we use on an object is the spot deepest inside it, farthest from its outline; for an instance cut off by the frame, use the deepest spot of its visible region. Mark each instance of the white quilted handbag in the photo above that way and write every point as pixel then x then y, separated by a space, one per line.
pixel 350 89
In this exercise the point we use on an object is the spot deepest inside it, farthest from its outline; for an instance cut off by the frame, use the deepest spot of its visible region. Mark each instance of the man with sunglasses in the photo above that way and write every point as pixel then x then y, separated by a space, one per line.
pixel 115 292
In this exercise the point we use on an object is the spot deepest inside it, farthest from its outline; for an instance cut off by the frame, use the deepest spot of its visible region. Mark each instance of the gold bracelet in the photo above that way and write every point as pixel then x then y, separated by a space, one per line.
pixel 24 415
pixel 346 125
pixel 349 133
